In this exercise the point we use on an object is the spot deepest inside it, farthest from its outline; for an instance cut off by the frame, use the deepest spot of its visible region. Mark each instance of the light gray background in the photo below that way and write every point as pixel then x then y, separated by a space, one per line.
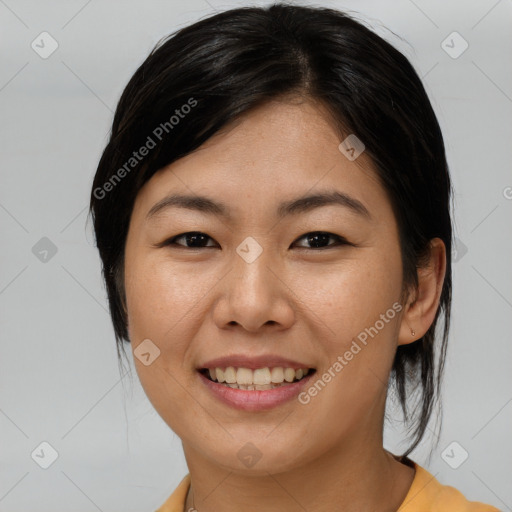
pixel 59 378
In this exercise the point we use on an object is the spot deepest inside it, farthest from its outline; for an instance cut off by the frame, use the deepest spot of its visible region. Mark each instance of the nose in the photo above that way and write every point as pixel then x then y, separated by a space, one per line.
pixel 254 295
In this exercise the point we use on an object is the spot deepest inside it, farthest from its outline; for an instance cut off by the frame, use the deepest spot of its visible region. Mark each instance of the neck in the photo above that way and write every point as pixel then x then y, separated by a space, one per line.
pixel 353 478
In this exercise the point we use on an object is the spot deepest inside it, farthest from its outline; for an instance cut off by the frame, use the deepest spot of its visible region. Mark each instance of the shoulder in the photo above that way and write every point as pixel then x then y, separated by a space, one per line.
pixel 176 501
pixel 427 494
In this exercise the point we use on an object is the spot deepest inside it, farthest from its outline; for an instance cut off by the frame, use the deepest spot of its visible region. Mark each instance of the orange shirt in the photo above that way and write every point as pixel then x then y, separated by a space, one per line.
pixel 426 494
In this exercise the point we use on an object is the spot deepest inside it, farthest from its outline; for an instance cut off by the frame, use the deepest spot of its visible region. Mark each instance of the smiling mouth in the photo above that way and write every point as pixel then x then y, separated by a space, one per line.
pixel 260 379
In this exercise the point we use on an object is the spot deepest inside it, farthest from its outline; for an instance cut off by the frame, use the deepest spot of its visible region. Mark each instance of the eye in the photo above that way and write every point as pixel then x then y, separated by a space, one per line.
pixel 318 239
pixel 193 237
pixel 197 240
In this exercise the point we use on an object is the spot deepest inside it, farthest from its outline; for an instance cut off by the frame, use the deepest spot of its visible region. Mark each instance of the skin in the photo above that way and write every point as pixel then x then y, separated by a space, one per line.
pixel 294 300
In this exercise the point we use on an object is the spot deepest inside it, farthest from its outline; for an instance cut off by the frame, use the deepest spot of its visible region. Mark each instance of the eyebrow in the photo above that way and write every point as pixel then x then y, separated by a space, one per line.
pixel 296 206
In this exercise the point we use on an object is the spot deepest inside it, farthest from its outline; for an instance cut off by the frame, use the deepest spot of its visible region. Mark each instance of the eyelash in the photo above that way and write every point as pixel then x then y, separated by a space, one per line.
pixel 340 240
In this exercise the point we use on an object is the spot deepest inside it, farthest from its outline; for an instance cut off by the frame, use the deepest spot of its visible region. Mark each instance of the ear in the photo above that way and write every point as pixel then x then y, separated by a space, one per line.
pixel 420 311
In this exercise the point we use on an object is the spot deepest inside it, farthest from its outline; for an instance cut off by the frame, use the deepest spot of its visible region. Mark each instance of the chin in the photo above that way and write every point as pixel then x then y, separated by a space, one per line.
pixel 250 458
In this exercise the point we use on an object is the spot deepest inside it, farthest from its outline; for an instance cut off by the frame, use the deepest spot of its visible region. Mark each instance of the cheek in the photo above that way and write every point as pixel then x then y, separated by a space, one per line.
pixel 366 320
pixel 162 306
pixel 164 300
pixel 349 297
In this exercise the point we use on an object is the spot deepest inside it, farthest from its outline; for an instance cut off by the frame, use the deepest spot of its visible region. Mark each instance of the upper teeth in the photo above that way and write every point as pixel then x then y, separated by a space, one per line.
pixel 261 376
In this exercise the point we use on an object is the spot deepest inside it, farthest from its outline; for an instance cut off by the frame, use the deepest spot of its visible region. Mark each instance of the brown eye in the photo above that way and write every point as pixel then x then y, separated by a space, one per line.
pixel 319 240
pixel 196 239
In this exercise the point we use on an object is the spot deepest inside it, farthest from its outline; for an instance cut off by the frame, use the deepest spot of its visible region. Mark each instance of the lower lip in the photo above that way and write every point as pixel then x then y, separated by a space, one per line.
pixel 255 400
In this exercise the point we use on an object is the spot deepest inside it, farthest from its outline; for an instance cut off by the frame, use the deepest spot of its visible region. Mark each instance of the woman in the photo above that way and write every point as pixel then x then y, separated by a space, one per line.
pixel 272 212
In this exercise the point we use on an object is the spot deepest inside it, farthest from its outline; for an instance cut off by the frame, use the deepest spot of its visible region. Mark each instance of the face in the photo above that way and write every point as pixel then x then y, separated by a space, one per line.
pixel 260 281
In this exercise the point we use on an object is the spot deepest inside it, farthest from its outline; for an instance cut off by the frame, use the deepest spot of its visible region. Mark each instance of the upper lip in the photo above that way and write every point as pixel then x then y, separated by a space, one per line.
pixel 253 362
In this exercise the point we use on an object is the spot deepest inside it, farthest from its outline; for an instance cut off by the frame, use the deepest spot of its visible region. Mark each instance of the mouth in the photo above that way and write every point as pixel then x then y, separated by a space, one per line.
pixel 259 379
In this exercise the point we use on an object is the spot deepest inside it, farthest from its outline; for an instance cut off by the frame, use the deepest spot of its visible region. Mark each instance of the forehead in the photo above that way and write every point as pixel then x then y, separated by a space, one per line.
pixel 278 151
